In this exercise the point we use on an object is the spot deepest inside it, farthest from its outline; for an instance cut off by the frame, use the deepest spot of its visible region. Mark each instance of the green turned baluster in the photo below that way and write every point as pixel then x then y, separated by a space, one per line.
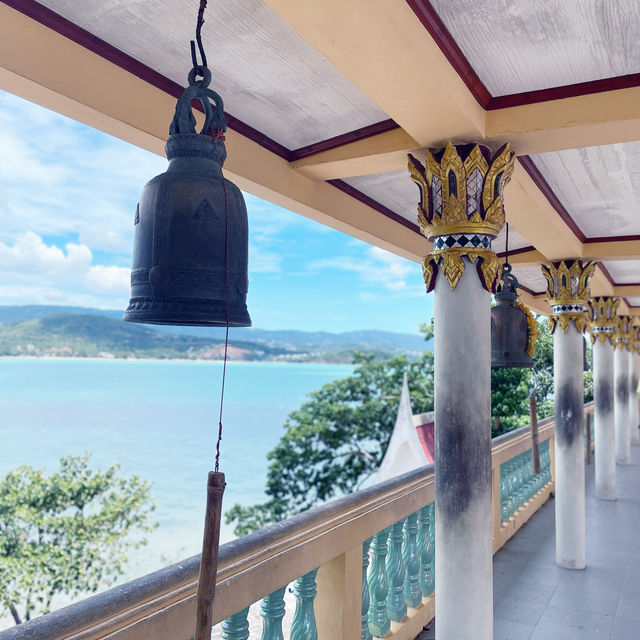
pixel 426 549
pixel 411 559
pixel 365 634
pixel 236 627
pixel 303 626
pixel 272 612
pixel 379 585
pixel 396 606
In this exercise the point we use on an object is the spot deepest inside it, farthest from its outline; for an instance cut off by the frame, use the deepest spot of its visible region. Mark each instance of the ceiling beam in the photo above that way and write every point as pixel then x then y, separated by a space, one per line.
pixel 382 48
pixel 570 123
pixel 381 153
pixel 34 64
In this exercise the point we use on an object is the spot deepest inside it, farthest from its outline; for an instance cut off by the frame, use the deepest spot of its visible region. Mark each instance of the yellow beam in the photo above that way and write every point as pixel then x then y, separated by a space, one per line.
pixel 530 213
pixel 612 250
pixel 34 64
pixel 571 123
pixel 381 153
pixel 382 48
pixel 584 121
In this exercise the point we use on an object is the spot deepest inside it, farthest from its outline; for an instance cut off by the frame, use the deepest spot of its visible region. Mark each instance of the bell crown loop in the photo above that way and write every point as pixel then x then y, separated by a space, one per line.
pixel 507 291
pixel 184 120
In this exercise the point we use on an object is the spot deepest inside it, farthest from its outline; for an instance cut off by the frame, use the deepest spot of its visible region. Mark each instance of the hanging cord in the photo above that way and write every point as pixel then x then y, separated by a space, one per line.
pixel 506 247
pixel 200 22
pixel 218 135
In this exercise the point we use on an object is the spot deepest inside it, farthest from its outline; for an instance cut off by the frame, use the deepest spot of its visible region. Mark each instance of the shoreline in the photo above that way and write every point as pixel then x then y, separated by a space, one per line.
pixel 160 360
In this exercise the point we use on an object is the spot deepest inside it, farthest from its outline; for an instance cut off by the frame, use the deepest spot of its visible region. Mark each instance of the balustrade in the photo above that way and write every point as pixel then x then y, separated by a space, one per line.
pixel 392 570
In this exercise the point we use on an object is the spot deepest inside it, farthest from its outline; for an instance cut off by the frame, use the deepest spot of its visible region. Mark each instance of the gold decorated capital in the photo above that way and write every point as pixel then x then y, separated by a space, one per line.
pixel 568 292
pixel 602 312
pixel 624 333
pixel 461 209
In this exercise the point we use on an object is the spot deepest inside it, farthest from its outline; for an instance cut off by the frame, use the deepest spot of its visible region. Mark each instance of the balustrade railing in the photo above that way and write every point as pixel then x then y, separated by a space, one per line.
pixel 362 566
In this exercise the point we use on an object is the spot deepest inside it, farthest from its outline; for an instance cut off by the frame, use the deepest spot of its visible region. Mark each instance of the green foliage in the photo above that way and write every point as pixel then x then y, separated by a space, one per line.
pixel 336 440
pixel 543 369
pixel 66 533
pixel 509 399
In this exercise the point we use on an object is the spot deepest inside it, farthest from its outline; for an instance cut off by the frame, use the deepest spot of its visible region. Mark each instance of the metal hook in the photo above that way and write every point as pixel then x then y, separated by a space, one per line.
pixel 199 23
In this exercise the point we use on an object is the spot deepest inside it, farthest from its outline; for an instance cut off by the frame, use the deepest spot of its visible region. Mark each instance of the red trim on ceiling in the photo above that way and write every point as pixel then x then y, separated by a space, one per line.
pixel 345 138
pixel 365 199
pixel 70 30
pixel 565 91
pixel 515 252
pixel 607 275
pixel 449 47
pixel 611 239
pixel 533 171
pixel 84 38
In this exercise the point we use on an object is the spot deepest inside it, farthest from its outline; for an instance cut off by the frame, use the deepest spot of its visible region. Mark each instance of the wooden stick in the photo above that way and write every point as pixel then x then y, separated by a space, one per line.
pixel 209 560
pixel 535 447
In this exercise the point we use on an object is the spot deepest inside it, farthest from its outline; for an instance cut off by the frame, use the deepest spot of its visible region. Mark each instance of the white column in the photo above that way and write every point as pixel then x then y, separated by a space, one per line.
pixel 463 548
pixel 605 441
pixel 621 404
pixel 633 398
pixel 569 448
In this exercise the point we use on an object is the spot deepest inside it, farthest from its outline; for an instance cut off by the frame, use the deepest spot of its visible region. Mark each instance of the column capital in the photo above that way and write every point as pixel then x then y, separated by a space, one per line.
pixel 603 319
pixel 568 292
pixel 624 333
pixel 461 208
pixel 634 345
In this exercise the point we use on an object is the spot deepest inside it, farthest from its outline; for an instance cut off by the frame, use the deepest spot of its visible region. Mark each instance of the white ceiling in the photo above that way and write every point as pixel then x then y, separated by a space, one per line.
pixel 394 190
pixel 634 302
pixel 267 75
pixel 531 277
pixel 623 271
pixel 599 186
pixel 536 44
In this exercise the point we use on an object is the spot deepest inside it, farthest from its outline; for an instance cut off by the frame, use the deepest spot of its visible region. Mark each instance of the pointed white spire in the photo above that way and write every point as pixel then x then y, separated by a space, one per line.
pixel 404 452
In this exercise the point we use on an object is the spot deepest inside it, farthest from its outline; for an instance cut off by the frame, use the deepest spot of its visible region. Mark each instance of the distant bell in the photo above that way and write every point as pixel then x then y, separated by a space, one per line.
pixel 191 235
pixel 509 326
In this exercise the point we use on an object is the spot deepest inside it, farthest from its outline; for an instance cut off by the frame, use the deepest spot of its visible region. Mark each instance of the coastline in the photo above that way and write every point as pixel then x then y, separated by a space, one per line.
pixel 160 360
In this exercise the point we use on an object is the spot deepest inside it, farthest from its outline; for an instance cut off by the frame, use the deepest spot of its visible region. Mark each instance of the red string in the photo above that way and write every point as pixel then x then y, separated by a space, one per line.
pixel 218 135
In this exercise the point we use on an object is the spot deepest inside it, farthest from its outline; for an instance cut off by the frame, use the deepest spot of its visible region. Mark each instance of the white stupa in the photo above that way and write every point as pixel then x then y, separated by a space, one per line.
pixel 405 451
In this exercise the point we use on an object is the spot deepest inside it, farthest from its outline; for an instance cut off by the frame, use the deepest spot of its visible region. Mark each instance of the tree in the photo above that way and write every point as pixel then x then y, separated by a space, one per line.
pixel 66 533
pixel 336 440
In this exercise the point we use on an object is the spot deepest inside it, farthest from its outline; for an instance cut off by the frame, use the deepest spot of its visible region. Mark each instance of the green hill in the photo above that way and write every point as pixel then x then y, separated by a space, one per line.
pixel 39 330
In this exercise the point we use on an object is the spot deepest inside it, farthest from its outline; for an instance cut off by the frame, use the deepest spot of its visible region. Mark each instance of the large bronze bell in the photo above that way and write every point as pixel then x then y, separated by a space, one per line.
pixel 191 234
pixel 509 329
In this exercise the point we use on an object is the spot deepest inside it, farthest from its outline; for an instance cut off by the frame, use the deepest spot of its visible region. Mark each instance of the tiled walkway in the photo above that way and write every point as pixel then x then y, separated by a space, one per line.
pixel 536 600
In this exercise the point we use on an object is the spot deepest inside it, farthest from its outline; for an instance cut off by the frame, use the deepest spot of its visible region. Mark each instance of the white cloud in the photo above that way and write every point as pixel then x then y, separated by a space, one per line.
pixel 379 266
pixel 41 273
pixel 112 280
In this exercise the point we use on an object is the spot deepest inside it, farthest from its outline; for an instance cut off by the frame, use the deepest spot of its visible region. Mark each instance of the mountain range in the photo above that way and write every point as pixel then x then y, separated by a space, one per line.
pixel 39 330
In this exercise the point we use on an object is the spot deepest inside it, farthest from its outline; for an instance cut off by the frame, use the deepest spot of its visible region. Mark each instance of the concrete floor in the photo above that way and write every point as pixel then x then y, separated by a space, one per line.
pixel 536 600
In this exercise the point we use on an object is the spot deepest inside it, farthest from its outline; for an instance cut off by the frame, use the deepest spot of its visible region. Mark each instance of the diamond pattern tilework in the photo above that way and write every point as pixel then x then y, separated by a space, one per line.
pixel 474 192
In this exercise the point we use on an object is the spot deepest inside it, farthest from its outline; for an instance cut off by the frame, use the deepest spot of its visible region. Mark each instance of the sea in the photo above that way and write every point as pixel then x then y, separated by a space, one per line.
pixel 159 420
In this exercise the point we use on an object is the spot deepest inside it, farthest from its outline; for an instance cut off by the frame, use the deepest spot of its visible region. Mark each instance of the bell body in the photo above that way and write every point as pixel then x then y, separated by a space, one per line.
pixel 509 336
pixel 188 219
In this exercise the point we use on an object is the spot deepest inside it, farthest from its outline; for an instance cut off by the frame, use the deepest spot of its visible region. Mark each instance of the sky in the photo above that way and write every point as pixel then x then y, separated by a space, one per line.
pixel 68 194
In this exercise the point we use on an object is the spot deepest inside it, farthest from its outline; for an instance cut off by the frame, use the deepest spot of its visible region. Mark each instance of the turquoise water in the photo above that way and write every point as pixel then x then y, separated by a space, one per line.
pixel 159 420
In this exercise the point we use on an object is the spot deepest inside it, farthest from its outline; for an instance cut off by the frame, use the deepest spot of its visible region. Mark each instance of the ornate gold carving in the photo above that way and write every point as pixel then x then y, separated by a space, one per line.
pixel 461 192
pixel 603 319
pixel 533 332
pixel 568 292
pixel 451 263
pixel 624 333
pixel 461 189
